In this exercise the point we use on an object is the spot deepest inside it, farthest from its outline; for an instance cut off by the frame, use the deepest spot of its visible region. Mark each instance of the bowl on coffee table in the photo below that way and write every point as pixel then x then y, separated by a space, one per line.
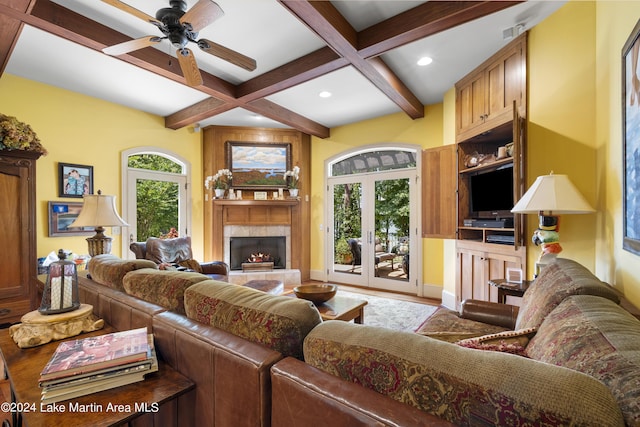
pixel 316 293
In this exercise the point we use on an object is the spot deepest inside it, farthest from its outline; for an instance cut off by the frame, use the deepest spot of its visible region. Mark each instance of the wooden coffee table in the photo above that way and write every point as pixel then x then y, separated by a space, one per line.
pixel 343 308
pixel 106 408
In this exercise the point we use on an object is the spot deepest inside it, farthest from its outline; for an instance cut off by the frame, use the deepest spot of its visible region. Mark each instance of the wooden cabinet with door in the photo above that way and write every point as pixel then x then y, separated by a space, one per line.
pixel 18 263
pixel 484 98
pixel 477 263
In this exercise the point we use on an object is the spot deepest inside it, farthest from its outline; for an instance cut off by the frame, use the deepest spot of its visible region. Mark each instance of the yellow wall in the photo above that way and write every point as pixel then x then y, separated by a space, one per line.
pixel 79 129
pixel 561 129
pixel 615 22
pixel 575 128
pixel 396 128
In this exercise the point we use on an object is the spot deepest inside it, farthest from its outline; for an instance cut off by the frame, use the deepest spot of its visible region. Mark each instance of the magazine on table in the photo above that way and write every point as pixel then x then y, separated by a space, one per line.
pixel 90 354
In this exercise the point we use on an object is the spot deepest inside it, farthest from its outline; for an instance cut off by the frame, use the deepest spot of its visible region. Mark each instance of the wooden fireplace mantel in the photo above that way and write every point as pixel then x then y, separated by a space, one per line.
pixel 258 213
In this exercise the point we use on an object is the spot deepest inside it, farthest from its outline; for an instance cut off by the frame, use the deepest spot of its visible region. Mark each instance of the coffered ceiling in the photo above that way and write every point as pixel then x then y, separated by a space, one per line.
pixel 363 52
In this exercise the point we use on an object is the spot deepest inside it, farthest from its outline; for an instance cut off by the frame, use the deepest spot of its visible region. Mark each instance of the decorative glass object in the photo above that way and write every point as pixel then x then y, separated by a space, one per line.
pixel 61 290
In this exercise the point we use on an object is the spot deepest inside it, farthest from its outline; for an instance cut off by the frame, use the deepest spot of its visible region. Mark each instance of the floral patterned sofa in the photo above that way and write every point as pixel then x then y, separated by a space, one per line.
pixel 569 356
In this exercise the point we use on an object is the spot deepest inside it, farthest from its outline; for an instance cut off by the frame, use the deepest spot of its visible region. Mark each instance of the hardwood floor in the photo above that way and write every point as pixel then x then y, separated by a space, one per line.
pixel 380 293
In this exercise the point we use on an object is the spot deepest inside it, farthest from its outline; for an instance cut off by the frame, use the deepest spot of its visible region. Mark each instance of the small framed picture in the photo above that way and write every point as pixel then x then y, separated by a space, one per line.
pixel 514 275
pixel 61 216
pixel 74 180
pixel 260 195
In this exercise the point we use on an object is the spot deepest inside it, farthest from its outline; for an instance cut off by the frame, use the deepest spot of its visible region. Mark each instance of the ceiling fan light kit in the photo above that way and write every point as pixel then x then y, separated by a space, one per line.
pixel 181 26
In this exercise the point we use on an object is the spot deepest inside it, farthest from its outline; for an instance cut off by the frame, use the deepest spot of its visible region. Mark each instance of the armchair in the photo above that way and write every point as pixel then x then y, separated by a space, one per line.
pixel 177 253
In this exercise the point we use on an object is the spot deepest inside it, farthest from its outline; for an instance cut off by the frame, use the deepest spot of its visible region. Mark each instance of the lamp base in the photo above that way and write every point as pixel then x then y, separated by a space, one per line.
pixel 99 243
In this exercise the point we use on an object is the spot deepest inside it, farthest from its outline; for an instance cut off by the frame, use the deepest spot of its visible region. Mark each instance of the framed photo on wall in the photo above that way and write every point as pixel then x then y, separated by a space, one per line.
pixel 61 215
pixel 256 165
pixel 631 141
pixel 74 180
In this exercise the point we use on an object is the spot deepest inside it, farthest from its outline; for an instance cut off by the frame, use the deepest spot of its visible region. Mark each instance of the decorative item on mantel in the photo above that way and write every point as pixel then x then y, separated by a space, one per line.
pixel 293 179
pixel 220 182
pixel 16 135
pixel 60 314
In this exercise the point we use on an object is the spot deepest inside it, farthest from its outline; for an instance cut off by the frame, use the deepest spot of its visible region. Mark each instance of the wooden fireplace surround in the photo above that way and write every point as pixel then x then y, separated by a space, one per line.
pixel 247 212
pixel 257 213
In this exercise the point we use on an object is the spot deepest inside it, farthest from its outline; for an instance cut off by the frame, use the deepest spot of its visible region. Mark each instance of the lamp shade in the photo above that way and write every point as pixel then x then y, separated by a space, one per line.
pixel 553 194
pixel 99 210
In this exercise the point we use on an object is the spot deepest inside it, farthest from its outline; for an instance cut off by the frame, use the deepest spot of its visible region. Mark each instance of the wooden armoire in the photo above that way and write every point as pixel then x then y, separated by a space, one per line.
pixel 18 260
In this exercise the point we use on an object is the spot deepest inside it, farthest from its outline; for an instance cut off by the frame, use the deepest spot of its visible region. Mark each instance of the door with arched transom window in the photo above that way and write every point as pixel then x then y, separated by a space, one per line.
pixel 373 219
pixel 155 197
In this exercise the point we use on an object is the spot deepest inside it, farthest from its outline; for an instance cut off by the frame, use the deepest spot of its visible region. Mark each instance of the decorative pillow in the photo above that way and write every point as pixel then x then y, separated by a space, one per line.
pixel 447 325
pixel 165 288
pixel 559 280
pixel 507 342
pixel 109 270
pixel 278 322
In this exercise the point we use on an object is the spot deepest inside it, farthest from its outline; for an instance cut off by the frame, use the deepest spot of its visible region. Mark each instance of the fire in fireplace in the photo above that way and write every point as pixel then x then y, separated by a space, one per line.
pixel 246 249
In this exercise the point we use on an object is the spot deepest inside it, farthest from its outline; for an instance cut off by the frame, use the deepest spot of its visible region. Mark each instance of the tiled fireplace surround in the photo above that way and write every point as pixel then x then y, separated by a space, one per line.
pixel 259 219
pixel 287 275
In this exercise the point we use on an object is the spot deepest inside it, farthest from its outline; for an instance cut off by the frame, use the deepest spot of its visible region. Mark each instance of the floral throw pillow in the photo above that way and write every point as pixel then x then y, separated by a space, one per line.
pixel 513 342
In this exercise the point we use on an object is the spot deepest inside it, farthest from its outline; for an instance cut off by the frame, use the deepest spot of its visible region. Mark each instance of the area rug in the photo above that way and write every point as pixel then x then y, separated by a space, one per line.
pixel 392 313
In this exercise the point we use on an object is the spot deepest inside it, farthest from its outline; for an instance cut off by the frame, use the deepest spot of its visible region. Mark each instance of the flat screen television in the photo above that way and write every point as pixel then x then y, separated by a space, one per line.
pixel 492 193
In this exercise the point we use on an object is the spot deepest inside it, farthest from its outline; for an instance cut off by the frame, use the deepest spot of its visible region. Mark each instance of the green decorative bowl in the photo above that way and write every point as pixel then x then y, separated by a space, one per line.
pixel 316 293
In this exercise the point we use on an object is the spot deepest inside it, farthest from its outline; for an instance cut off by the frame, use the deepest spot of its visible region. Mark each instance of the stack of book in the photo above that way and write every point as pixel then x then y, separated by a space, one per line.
pixel 89 365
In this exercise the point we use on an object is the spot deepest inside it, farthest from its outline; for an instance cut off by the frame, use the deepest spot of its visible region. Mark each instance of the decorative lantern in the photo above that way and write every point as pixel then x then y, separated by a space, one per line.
pixel 61 290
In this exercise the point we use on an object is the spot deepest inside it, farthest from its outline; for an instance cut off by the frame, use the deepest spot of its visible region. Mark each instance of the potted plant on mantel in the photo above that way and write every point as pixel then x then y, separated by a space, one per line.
pixel 220 182
pixel 16 135
pixel 293 179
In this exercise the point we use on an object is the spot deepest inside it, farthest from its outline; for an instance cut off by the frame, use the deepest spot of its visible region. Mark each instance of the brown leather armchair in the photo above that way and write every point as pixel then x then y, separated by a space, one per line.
pixel 177 253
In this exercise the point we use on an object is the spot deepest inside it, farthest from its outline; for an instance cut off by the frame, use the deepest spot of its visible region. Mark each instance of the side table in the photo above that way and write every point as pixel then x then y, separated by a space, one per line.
pixel 112 407
pixel 506 288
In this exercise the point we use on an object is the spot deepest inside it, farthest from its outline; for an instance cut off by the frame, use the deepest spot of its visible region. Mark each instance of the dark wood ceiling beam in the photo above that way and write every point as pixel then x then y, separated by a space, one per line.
pixel 422 21
pixel 301 70
pixel 211 107
pixel 194 113
pixel 10 28
pixel 325 20
pixel 275 112
pixel 74 27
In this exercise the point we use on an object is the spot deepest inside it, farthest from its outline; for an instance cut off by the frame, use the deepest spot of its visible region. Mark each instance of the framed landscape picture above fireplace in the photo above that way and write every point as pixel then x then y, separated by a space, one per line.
pixel 257 165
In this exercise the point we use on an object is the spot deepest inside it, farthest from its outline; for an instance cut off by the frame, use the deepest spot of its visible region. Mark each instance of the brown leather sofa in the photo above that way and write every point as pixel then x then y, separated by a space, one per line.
pixel 231 373
pixel 177 253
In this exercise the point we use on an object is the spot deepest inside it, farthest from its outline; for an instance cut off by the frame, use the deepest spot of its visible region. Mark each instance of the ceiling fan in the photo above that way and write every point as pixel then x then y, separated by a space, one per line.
pixel 181 26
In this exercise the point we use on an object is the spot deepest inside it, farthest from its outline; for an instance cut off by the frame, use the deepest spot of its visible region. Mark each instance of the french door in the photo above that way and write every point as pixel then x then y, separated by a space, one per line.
pixel 373 230
pixel 154 202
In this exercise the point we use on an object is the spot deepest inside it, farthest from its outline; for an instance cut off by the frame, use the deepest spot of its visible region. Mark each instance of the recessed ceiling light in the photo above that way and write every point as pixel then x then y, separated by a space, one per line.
pixel 324 94
pixel 425 60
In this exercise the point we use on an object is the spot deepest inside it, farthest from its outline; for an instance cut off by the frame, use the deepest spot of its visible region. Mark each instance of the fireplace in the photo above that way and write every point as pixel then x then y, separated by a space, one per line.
pixel 242 249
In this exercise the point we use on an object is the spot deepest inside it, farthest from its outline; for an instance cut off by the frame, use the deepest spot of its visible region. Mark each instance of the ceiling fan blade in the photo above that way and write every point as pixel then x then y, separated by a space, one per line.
pixel 202 14
pixel 131 45
pixel 189 67
pixel 131 10
pixel 227 54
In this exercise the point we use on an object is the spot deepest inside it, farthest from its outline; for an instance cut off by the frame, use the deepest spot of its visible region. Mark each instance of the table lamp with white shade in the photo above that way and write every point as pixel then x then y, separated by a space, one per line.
pixel 99 211
pixel 549 196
